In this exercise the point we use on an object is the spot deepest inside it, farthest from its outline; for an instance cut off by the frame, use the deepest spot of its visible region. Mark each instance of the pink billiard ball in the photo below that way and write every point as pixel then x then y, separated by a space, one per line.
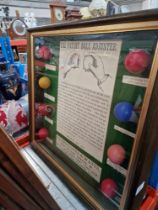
pixel 109 187
pixel 137 60
pixel 42 133
pixel 45 53
pixel 116 153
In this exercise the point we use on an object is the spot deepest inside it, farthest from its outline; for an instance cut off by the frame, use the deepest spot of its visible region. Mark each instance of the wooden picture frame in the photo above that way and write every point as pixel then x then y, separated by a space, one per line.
pixel 126 33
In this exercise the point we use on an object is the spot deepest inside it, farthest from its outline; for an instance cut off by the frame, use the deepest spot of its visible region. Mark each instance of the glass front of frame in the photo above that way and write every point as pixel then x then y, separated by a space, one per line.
pixel 89 92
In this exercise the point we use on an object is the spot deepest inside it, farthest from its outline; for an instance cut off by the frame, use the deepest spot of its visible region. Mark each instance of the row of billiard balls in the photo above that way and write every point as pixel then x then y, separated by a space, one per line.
pixel 135 62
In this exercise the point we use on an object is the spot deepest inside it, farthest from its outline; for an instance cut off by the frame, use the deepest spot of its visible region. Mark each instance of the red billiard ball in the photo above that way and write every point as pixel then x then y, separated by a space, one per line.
pixel 109 187
pixel 42 133
pixel 137 60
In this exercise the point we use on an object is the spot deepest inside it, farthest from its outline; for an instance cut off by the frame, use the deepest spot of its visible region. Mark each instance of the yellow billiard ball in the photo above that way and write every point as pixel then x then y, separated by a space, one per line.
pixel 44 82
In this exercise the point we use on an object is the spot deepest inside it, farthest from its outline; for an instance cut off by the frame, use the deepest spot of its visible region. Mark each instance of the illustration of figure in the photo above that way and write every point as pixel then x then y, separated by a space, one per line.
pixel 96 67
pixel 73 63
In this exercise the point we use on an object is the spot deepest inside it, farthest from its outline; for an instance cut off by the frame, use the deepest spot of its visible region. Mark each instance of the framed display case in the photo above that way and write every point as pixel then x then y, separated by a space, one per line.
pixel 91 84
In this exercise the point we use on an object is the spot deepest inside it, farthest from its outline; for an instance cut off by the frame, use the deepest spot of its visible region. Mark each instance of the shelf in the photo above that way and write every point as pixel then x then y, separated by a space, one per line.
pixel 18 42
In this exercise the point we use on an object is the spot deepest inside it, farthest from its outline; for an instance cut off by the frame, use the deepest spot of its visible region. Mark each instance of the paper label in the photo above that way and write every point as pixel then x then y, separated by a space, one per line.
pixel 85 91
pixel 50 67
pixel 81 160
pixel 124 131
pixel 51 98
pixel 137 81
pixel 117 167
pixel 49 120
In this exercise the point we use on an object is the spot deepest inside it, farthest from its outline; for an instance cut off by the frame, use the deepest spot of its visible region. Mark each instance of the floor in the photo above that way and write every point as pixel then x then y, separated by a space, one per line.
pixel 61 193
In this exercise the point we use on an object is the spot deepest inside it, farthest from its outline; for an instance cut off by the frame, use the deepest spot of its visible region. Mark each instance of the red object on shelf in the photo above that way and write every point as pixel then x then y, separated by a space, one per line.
pixel 151 200
pixel 18 42
pixel 23 140
pixel 21 45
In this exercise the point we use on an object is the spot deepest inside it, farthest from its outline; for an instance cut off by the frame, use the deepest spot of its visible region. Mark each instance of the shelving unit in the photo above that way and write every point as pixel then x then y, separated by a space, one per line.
pixel 21 44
